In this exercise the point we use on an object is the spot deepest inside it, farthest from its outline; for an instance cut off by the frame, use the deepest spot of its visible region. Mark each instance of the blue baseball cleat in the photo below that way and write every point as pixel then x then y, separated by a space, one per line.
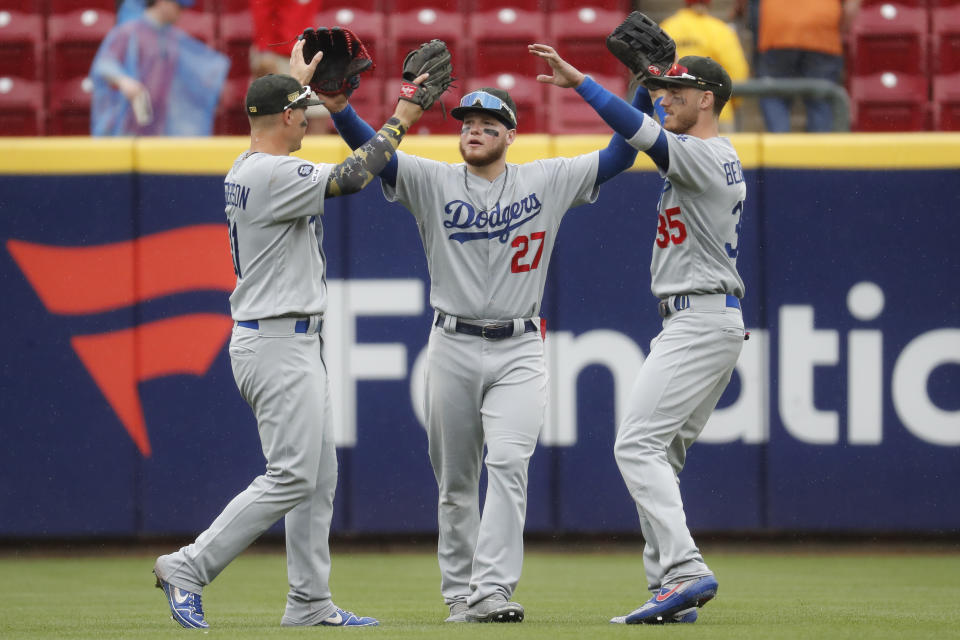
pixel 677 604
pixel 341 618
pixel 186 606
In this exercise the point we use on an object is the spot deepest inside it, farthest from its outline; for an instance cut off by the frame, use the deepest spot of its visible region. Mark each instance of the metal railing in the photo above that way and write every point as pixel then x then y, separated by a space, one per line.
pixel 800 88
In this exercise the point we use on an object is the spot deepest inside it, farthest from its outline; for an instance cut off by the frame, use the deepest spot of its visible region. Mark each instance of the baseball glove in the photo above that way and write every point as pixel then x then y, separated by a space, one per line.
pixel 643 46
pixel 433 58
pixel 344 59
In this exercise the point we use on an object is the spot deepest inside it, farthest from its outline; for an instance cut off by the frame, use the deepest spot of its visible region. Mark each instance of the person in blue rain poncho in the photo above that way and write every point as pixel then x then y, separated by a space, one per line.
pixel 152 79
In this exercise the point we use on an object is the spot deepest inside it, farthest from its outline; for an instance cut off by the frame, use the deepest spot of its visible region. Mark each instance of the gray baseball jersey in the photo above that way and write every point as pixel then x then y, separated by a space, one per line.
pixel 695 250
pixel 280 267
pixel 488 244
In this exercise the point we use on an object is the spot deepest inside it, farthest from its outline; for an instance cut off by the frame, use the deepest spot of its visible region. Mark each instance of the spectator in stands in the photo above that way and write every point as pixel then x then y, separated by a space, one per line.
pixel 276 24
pixel 697 33
pixel 151 78
pixel 802 40
pixel 130 9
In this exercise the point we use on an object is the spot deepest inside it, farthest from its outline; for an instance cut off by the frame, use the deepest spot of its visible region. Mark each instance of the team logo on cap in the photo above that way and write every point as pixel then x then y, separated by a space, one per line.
pixel 653 70
pixel 291 97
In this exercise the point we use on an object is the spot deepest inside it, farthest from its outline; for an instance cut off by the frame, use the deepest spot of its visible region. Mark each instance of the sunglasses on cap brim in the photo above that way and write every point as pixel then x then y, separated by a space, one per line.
pixel 300 99
pixel 678 73
pixel 485 100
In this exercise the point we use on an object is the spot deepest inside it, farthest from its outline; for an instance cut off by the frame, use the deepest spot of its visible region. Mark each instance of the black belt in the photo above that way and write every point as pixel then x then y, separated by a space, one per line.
pixel 673 304
pixel 489 331
pixel 300 327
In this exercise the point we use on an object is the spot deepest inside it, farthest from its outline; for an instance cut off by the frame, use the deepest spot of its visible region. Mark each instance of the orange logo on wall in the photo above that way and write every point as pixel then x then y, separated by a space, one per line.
pixel 94 279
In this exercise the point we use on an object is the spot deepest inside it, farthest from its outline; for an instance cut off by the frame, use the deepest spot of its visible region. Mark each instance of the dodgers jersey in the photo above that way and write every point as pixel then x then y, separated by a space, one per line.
pixel 700 208
pixel 273 204
pixel 488 244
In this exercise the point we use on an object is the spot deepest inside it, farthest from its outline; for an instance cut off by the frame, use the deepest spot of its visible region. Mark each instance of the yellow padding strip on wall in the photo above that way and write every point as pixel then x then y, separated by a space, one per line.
pixel 214 156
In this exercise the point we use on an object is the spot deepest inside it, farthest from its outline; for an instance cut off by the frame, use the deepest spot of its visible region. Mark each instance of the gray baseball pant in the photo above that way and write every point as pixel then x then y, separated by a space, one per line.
pixel 679 384
pixel 482 392
pixel 281 374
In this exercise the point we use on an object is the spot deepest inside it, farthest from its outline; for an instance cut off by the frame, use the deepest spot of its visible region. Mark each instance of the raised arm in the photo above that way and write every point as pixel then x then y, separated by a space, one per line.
pixel 640 130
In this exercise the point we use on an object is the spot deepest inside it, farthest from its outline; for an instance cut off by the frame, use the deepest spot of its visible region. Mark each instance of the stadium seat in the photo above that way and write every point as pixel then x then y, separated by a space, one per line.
pixel 230 118
pixel 21 44
pixel 369 24
pixel 579 35
pixel 69 111
pixel 69 6
pixel 369 101
pixel 199 24
pixel 946 102
pixel 73 39
pixel 889 37
pixel 500 35
pixel 623 6
pixel 570 114
pixel 527 93
pixel 236 38
pixel 889 101
pixel 21 107
pixel 410 27
pixel 906 3
pixel 945 48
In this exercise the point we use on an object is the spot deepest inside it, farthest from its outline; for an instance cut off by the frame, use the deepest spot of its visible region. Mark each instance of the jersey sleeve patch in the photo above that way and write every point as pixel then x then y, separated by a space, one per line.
pixel 305 169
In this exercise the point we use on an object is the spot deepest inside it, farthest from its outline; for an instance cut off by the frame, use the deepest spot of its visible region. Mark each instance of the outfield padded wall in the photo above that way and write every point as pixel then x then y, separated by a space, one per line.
pixel 120 416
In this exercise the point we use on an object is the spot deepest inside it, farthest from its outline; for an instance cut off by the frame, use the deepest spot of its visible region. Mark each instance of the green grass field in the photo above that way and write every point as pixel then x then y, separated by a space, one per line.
pixel 770 594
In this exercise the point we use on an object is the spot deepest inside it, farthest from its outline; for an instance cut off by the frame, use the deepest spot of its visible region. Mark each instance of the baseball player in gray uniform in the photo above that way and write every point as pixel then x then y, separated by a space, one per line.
pixel 694 275
pixel 488 228
pixel 273 207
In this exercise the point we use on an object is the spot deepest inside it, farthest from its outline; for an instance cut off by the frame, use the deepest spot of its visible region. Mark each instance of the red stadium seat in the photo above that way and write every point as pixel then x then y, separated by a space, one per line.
pixel 945 23
pixel 402 6
pixel 369 25
pixel 579 35
pixel 21 44
pixel 623 6
pixel 569 113
pixel 69 113
pixel 946 102
pixel 230 118
pixel 501 35
pixel 369 101
pixel 73 39
pixel 889 101
pixel 889 37
pixel 199 24
pixel 21 107
pixel 236 38
pixel 408 29
pixel 906 3
pixel 527 93
pixel 69 6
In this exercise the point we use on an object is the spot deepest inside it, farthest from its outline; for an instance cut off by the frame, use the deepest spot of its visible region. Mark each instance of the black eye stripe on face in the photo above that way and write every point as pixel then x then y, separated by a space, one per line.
pixel 493 133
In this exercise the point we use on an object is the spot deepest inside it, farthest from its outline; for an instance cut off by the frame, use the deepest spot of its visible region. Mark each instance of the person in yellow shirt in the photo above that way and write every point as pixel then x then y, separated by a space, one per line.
pixel 697 33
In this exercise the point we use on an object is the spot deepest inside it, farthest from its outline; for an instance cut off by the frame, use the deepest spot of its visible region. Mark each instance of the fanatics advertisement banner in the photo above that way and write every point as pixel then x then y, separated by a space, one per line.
pixel 120 417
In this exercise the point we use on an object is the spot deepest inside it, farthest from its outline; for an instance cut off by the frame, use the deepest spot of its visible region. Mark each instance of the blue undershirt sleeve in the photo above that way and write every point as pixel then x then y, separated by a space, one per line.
pixel 625 119
pixel 355 131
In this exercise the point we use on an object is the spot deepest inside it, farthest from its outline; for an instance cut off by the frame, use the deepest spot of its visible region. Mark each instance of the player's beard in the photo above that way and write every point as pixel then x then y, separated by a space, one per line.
pixel 680 121
pixel 493 153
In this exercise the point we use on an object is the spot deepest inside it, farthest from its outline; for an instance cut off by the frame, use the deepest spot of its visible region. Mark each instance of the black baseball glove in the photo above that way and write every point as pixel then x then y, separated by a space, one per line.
pixel 430 57
pixel 643 46
pixel 344 59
